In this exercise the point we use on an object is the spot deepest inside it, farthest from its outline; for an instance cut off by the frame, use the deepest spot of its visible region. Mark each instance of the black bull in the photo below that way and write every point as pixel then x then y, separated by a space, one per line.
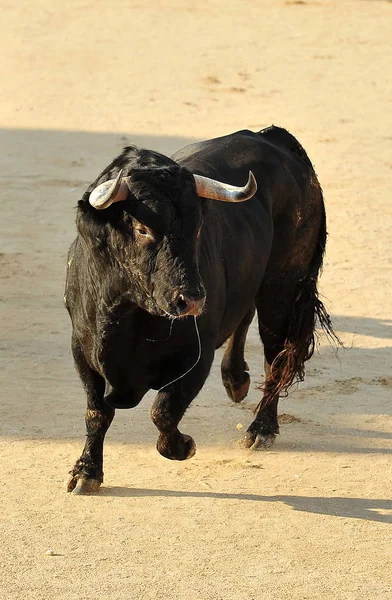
pixel 162 275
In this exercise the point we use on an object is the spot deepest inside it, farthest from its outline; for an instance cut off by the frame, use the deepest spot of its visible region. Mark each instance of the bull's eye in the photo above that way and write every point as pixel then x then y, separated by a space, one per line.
pixel 144 232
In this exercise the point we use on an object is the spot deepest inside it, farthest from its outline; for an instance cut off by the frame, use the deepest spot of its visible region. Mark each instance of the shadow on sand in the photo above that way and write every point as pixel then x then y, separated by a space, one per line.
pixel 350 508
pixel 377 328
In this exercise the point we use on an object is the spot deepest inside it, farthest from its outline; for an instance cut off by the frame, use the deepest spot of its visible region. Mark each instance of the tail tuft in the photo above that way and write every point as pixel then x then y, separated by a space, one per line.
pixel 289 365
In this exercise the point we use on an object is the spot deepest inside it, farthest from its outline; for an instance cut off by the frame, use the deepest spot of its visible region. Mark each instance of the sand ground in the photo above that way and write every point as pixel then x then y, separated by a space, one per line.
pixel 311 518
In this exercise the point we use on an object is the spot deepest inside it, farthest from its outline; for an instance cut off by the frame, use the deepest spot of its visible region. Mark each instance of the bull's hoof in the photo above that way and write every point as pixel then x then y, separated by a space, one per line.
pixel 82 485
pixel 258 441
pixel 239 390
pixel 176 447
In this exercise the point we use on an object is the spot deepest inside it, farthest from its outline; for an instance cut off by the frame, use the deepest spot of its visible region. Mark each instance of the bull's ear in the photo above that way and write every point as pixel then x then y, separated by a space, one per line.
pixel 216 190
pixel 109 192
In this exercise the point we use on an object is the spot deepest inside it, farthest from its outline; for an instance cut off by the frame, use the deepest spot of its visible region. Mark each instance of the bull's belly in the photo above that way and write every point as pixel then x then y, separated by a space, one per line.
pixel 237 308
pixel 227 331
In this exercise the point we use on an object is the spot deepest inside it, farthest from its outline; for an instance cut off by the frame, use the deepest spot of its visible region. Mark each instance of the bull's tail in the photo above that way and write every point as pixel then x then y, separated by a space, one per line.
pixel 289 365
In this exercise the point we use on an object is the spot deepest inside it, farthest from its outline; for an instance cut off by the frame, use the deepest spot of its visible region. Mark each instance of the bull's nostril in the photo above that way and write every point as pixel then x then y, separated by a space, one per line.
pixel 182 304
pixel 189 305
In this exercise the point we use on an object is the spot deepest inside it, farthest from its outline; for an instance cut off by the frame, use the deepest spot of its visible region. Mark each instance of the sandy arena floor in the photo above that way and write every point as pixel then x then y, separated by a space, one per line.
pixel 310 519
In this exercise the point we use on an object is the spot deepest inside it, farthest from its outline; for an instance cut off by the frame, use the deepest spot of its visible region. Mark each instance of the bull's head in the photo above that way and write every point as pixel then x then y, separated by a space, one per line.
pixel 159 232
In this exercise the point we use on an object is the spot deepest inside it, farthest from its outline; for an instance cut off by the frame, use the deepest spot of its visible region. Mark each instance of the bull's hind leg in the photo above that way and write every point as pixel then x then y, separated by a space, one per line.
pixel 287 313
pixel 234 368
pixel 263 430
pixel 87 474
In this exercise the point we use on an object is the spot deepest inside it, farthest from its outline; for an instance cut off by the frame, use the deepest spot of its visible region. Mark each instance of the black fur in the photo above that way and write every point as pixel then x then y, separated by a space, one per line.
pixel 122 284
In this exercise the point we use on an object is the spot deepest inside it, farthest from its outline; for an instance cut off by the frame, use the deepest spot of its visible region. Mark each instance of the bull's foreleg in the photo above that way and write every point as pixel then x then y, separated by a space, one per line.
pixel 169 407
pixel 87 473
pixel 234 369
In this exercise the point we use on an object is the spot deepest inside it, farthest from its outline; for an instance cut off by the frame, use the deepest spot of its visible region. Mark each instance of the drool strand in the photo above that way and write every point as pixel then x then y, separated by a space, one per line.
pixel 193 366
pixel 166 338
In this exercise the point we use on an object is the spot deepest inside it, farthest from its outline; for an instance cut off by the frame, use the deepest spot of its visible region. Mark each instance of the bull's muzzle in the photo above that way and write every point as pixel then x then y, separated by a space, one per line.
pixel 188 305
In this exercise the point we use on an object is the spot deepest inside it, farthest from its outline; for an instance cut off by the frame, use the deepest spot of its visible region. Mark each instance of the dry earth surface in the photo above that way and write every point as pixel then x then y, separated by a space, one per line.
pixel 311 518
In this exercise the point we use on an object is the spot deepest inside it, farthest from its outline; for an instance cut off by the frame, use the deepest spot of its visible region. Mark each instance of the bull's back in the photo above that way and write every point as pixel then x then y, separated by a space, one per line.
pixel 249 235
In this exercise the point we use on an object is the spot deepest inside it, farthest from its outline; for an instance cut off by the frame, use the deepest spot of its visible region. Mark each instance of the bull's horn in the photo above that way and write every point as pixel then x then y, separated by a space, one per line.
pixel 109 192
pixel 216 190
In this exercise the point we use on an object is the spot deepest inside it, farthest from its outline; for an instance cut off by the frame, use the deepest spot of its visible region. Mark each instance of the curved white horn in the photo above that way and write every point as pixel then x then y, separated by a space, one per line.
pixel 109 192
pixel 216 190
